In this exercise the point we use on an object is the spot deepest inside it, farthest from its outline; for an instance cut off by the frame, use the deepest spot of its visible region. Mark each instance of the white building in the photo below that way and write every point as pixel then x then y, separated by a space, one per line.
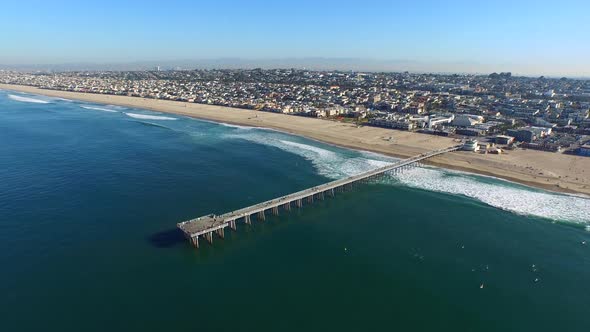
pixel 466 120
pixel 435 121
pixel 470 145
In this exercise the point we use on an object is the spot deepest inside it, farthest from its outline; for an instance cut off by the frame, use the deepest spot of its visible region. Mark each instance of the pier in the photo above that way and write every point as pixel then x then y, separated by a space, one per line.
pixel 210 226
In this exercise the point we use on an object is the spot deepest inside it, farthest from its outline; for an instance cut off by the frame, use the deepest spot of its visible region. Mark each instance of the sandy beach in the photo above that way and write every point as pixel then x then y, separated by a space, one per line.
pixel 551 171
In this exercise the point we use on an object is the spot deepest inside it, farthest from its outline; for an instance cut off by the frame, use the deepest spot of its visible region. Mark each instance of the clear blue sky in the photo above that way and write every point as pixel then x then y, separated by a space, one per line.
pixel 522 35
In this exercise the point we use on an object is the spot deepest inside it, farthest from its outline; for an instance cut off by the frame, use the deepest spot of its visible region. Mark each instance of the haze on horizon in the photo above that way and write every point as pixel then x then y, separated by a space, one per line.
pixel 524 37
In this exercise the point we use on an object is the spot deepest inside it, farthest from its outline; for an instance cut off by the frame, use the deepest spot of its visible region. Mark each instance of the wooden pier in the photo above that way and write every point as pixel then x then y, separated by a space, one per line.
pixel 204 227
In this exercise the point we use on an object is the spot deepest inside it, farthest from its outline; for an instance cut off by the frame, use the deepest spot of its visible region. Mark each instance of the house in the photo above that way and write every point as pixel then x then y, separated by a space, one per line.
pixel 470 145
pixel 522 134
pixel 504 140
pixel 469 132
pixel 467 120
pixel 435 121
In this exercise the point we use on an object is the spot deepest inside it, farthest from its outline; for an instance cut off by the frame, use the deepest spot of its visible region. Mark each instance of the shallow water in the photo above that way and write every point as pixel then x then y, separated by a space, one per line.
pixel 89 200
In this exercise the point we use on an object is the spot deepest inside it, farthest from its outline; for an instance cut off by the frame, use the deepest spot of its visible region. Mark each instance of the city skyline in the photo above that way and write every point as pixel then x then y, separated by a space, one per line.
pixel 526 38
pixel 311 63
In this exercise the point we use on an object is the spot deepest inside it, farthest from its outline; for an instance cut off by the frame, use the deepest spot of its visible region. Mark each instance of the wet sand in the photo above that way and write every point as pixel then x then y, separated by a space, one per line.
pixel 552 171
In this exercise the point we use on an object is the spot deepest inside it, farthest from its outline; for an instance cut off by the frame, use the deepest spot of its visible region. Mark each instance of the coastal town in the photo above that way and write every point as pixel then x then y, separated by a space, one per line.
pixel 495 112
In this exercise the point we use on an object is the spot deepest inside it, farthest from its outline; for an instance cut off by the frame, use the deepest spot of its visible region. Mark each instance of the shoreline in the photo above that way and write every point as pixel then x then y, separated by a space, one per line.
pixel 560 173
pixel 426 162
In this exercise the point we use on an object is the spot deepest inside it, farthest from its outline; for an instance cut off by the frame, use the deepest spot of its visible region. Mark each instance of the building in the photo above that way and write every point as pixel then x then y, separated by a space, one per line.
pixel 522 134
pixel 543 146
pixel 374 99
pixel 529 134
pixel 469 132
pixel 435 121
pixel 470 145
pixel 394 124
pixel 485 145
pixel 446 132
pixel 544 123
pixel 488 127
pixel 504 140
pixel 584 150
pixel 467 120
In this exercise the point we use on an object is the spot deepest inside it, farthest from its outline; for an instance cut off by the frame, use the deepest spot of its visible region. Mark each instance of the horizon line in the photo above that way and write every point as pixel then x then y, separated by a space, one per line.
pixel 357 64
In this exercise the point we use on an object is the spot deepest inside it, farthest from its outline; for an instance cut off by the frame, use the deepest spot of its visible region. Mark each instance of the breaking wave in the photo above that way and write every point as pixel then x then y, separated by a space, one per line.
pixel 236 126
pixel 27 99
pixel 148 117
pixel 149 124
pixel 329 163
pixel 99 109
pixel 500 194
pixel 338 163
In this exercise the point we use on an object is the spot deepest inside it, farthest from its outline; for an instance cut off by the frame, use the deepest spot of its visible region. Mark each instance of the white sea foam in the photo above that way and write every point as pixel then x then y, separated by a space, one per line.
pixel 229 125
pixel 328 163
pixel 27 99
pixel 116 107
pixel 500 194
pixel 494 192
pixel 99 109
pixel 148 117
pixel 236 126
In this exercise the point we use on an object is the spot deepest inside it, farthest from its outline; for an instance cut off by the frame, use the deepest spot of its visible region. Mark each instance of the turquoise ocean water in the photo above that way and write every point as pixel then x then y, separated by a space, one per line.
pixel 90 195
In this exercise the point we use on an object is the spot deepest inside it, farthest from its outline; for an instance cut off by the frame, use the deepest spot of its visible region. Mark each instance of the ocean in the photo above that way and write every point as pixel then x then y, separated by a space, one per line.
pixel 90 196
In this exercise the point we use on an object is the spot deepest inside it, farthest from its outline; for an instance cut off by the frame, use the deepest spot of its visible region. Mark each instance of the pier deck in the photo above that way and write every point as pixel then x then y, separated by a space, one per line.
pixel 207 225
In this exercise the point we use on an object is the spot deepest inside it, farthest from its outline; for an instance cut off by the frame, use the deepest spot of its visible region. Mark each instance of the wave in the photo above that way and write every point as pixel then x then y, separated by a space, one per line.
pixel 333 164
pixel 149 124
pixel 247 127
pixel 500 194
pixel 116 107
pixel 230 125
pixel 329 163
pixel 27 99
pixel 338 163
pixel 236 126
pixel 148 117
pixel 99 109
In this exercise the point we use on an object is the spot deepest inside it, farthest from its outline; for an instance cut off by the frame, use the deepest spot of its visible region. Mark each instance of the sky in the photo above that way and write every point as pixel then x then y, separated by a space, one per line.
pixel 521 36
